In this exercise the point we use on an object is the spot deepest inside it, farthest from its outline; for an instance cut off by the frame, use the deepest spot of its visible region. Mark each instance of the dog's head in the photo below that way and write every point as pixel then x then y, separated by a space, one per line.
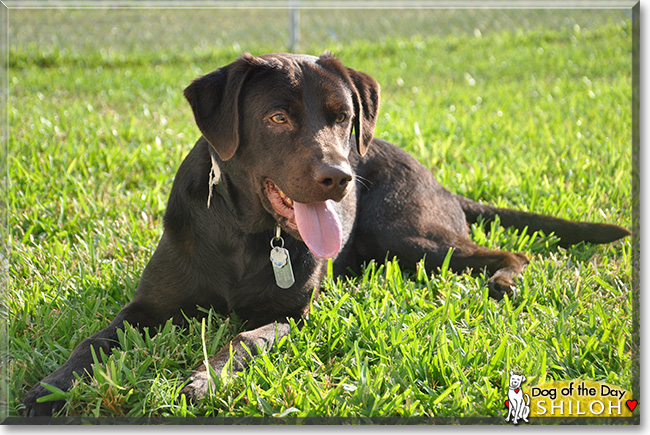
pixel 291 122
pixel 516 381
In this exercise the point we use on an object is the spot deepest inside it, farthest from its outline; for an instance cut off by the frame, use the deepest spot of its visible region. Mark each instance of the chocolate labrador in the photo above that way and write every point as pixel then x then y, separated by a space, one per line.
pixel 286 175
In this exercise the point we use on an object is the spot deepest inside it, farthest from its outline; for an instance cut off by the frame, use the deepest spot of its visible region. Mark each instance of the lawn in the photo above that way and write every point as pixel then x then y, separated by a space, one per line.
pixel 537 119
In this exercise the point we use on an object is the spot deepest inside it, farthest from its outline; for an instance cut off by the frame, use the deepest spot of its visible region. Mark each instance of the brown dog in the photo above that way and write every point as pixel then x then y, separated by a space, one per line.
pixel 288 168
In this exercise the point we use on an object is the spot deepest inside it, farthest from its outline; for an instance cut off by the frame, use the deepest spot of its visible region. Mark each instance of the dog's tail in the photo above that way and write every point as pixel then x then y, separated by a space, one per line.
pixel 569 232
pixel 527 399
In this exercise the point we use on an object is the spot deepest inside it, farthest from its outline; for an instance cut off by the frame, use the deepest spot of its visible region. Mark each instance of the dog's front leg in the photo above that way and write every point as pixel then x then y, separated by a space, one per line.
pixel 516 412
pixel 243 348
pixel 521 411
pixel 81 359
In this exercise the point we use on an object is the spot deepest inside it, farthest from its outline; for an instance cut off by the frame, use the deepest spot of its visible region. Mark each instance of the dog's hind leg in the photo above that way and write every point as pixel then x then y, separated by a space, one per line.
pixel 429 232
pixel 526 411
pixel 503 266
pixel 410 244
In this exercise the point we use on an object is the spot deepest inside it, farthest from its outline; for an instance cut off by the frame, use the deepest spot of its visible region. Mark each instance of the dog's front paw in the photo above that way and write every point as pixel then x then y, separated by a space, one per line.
pixel 197 387
pixel 33 408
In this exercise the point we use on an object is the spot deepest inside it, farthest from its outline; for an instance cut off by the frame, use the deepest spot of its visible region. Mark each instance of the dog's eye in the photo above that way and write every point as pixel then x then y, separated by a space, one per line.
pixel 279 118
pixel 340 118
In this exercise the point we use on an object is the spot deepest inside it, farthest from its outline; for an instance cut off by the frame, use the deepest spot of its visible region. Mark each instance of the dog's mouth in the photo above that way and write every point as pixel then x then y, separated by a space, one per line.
pixel 317 223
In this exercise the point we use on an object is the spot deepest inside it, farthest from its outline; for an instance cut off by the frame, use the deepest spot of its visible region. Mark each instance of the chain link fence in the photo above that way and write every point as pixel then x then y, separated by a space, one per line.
pixel 283 26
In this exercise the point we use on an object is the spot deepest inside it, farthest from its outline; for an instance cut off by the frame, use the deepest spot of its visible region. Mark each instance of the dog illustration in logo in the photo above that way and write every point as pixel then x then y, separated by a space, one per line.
pixel 518 409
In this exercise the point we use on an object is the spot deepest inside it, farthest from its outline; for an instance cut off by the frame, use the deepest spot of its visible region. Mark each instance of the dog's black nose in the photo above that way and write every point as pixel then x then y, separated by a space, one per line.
pixel 333 179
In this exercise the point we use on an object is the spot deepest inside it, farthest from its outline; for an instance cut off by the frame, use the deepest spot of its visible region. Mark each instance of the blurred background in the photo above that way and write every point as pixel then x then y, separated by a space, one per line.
pixel 293 25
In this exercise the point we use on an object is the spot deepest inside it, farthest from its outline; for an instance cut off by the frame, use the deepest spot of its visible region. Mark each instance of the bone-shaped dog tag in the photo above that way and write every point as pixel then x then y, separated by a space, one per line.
pixel 282 267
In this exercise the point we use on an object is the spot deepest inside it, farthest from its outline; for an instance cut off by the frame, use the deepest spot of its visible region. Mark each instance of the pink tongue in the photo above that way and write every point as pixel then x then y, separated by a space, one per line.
pixel 319 227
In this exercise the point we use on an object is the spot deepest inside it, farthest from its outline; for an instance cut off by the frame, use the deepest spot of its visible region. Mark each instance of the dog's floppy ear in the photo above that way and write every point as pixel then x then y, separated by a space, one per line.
pixel 214 99
pixel 366 107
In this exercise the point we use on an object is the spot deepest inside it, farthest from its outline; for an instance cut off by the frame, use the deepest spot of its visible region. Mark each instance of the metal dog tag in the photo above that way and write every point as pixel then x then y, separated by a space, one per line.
pixel 282 267
pixel 281 263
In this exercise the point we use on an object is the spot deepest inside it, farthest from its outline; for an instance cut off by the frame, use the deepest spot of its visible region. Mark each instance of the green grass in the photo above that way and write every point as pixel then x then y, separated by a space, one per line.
pixel 537 120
